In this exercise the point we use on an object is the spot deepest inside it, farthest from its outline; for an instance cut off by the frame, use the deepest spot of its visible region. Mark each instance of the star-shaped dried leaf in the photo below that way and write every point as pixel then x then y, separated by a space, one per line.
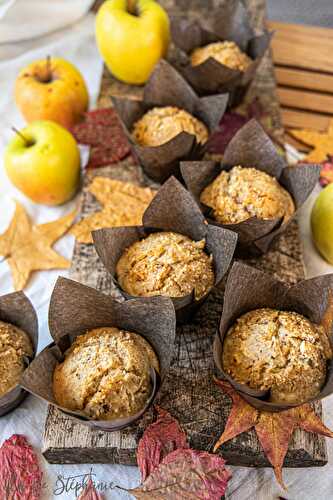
pixel 27 247
pixel 274 430
pixel 123 205
pixel 184 475
pixel 322 142
pixel 159 439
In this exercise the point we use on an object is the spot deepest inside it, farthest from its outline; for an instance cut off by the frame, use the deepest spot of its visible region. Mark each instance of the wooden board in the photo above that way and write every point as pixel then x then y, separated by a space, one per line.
pixel 188 392
pixel 303 68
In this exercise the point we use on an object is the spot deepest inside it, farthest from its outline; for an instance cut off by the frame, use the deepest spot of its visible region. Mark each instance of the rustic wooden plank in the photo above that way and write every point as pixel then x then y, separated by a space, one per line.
pixel 292 77
pixel 304 119
pixel 301 99
pixel 188 393
pixel 302 46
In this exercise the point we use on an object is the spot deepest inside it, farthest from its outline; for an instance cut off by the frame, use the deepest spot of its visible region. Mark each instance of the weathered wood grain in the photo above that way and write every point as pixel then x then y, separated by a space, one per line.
pixel 188 392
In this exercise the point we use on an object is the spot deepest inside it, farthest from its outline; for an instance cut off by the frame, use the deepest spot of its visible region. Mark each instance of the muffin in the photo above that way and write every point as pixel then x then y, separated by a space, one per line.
pixel 166 263
pixel 160 125
pixel 105 374
pixel 241 193
pixel 227 53
pixel 280 351
pixel 15 346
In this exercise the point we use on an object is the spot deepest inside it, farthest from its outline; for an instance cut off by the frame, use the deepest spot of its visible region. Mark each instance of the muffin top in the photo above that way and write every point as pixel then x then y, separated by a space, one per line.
pixel 160 125
pixel 166 263
pixel 277 350
pixel 15 345
pixel 105 374
pixel 227 53
pixel 241 193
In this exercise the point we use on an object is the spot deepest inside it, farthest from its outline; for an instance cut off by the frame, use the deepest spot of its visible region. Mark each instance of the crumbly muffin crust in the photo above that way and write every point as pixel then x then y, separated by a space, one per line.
pixel 105 374
pixel 277 350
pixel 227 53
pixel 15 345
pixel 166 263
pixel 160 125
pixel 244 192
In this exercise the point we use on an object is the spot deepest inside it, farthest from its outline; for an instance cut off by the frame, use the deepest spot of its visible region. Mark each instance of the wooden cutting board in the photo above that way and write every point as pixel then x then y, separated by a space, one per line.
pixel 188 393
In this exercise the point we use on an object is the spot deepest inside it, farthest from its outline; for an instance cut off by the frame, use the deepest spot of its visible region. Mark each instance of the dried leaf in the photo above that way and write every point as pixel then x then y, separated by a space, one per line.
pixel 90 493
pixel 27 247
pixel 229 125
pixel 322 142
pixel 123 204
pixel 102 130
pixel 159 439
pixel 326 173
pixel 241 418
pixel 184 475
pixel 274 430
pixel 20 474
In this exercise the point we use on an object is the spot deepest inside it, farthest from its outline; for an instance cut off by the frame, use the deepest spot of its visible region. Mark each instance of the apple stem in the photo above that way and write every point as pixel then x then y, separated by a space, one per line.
pixel 132 7
pixel 27 142
pixel 48 67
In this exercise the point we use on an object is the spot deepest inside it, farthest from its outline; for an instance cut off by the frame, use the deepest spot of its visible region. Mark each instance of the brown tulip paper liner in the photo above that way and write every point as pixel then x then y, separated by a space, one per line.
pixel 247 289
pixel 172 209
pixel 166 87
pixel 16 308
pixel 229 23
pixel 251 147
pixel 75 309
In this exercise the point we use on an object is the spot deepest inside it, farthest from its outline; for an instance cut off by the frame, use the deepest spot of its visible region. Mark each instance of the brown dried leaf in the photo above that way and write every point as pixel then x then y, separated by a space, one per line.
pixel 184 475
pixel 159 439
pixel 20 474
pixel 123 204
pixel 90 493
pixel 27 247
pixel 274 430
pixel 241 418
pixel 322 142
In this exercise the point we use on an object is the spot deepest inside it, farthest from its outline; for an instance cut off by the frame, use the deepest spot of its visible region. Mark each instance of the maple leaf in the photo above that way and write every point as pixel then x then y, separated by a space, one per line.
pixel 20 474
pixel 326 173
pixel 27 247
pixel 321 142
pixel 186 474
pixel 123 205
pixel 90 493
pixel 159 439
pixel 274 430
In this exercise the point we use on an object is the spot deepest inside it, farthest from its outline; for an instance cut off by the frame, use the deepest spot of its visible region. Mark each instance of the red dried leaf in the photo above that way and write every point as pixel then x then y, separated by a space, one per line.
pixel 90 493
pixel 229 125
pixel 102 131
pixel 310 422
pixel 160 438
pixel 184 475
pixel 326 173
pixel 241 418
pixel 20 474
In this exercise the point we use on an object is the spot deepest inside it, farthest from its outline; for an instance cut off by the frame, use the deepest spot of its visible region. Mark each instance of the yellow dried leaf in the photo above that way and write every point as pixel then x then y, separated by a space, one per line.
pixel 123 204
pixel 322 142
pixel 27 247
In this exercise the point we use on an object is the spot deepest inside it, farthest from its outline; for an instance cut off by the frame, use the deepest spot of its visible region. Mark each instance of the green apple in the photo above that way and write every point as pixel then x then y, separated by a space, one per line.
pixel 322 223
pixel 43 161
pixel 132 36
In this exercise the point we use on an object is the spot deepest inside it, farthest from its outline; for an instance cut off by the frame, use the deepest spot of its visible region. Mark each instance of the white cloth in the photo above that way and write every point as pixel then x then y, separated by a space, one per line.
pixel 46 28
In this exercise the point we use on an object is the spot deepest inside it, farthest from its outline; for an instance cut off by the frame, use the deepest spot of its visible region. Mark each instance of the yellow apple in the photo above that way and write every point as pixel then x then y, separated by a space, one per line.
pixel 43 161
pixel 322 223
pixel 51 89
pixel 132 36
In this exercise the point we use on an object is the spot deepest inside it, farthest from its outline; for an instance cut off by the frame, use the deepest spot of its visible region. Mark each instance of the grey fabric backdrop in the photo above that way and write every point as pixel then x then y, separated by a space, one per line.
pixel 316 12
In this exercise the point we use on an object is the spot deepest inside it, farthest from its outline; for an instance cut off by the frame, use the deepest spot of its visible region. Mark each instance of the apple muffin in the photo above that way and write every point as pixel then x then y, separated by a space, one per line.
pixel 15 347
pixel 227 53
pixel 166 263
pixel 106 374
pixel 160 125
pixel 280 351
pixel 241 193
